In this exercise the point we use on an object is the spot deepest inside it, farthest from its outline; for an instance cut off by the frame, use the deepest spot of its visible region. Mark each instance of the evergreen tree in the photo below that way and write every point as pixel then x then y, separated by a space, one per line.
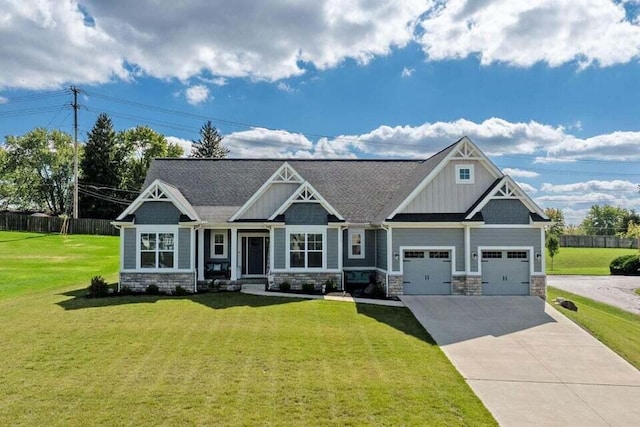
pixel 101 169
pixel 209 146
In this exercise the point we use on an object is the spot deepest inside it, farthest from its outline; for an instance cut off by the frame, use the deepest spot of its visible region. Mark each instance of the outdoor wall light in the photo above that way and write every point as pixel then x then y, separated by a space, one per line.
pixel 396 256
pixel 474 255
pixel 538 255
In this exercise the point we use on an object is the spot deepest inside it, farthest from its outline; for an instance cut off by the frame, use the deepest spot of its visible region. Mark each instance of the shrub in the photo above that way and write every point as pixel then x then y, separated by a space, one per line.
pixel 284 286
pixel 153 290
pixel 625 264
pixel 125 290
pixel 308 288
pixel 378 291
pixel 330 286
pixel 98 287
pixel 180 291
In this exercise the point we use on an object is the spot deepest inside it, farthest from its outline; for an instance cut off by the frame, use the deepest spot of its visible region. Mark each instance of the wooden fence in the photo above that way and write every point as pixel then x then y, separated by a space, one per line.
pixel 597 242
pixel 37 224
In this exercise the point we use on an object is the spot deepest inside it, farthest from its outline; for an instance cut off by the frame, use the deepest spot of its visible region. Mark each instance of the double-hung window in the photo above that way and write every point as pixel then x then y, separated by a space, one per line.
pixel 356 243
pixel 219 244
pixel 306 250
pixel 157 250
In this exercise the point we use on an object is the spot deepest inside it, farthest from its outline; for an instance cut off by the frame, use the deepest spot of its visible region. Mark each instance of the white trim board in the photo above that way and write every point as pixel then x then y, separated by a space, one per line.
pixel 506 248
pixel 150 194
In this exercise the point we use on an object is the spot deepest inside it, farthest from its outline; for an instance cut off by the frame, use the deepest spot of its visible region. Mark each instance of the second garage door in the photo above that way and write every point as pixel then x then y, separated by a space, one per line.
pixel 505 272
pixel 427 272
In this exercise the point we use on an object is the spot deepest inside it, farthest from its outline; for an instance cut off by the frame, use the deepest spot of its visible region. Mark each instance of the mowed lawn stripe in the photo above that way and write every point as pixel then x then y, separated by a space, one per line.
pixel 222 359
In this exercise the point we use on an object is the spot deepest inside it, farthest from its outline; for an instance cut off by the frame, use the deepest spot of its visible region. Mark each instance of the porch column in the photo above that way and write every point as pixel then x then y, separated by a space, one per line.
pixel 234 254
pixel 467 249
pixel 200 253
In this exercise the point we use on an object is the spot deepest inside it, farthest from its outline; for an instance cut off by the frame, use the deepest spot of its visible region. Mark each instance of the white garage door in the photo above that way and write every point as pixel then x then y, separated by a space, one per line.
pixel 505 272
pixel 427 272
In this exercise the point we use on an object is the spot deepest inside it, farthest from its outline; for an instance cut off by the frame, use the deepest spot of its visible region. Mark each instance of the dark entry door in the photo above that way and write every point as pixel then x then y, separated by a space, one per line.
pixel 255 255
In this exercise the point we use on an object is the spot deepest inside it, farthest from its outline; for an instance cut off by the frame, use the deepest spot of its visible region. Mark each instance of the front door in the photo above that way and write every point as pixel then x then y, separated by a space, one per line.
pixel 255 255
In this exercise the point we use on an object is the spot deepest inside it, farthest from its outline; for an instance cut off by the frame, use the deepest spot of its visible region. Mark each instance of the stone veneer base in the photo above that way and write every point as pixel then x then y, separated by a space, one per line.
pixel 166 282
pixel 469 285
pixel 296 280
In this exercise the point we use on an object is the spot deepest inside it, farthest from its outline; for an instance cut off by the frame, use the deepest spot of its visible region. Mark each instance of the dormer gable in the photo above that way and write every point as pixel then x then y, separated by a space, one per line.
pixel 160 191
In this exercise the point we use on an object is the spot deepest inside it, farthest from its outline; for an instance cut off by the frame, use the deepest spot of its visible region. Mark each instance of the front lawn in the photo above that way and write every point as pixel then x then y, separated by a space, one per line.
pixel 585 261
pixel 616 328
pixel 222 359
pixel 35 262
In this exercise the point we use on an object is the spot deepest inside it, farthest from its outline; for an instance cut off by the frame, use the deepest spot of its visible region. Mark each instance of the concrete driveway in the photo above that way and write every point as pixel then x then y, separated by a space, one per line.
pixel 528 363
pixel 613 290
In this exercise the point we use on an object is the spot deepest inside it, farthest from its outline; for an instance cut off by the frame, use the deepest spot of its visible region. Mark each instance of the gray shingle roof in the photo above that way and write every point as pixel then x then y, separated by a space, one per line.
pixel 361 191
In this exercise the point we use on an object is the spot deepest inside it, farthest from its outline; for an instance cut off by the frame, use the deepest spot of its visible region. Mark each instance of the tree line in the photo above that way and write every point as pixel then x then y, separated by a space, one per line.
pixel 36 169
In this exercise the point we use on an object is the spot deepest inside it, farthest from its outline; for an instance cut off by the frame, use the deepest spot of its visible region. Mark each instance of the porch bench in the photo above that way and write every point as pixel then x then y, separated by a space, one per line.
pixel 358 279
pixel 217 270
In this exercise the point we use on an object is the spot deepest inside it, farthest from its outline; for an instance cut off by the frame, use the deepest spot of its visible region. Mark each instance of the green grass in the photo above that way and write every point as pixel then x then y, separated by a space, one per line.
pixel 637 291
pixel 585 261
pixel 32 261
pixel 616 328
pixel 208 359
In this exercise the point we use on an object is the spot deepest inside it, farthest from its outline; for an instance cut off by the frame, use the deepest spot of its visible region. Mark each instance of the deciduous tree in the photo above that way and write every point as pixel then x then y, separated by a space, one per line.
pixel 604 220
pixel 557 218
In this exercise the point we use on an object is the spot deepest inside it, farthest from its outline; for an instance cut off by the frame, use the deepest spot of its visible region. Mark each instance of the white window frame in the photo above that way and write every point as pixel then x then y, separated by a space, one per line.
pixel 157 229
pixel 471 179
pixel 306 230
pixel 350 234
pixel 225 238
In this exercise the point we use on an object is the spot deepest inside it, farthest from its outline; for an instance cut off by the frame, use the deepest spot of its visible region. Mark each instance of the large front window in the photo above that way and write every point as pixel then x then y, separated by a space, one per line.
pixel 305 250
pixel 157 250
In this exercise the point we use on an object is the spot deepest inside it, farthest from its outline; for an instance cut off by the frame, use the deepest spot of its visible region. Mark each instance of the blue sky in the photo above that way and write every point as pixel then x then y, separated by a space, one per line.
pixel 548 88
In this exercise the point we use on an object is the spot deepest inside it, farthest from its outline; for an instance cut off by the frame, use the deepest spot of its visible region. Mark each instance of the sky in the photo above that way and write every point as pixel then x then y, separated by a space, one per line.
pixel 549 89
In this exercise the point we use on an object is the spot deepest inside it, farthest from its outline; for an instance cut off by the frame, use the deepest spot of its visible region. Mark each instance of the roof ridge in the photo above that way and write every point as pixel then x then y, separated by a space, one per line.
pixel 288 159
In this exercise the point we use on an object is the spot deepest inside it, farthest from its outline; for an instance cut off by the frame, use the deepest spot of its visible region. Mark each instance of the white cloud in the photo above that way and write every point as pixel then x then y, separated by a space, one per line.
pixel 216 81
pixel 519 173
pixel 407 72
pixel 528 188
pixel 522 33
pixel 196 94
pixel 591 186
pixel 3 100
pixel 285 87
pixel 185 144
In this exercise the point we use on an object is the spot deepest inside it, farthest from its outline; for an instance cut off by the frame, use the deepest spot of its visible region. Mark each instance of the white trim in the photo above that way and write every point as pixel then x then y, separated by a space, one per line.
pixel 147 196
pixel 453 224
pixel 529 226
pixel 121 229
pixel 234 254
pixel 304 270
pixel 350 233
pixel 305 229
pixel 272 263
pixel 530 249
pixel 543 252
pixel 306 186
pixel 340 247
pixel 212 243
pixel 370 268
pixel 467 249
pixel 472 178
pixel 159 229
pixel 244 254
pixel 389 250
pixel 285 169
pixel 517 194
pixel 492 168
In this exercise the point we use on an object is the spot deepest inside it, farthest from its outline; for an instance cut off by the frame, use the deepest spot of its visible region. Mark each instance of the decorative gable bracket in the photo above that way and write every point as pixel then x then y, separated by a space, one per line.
pixel 507 189
pixel 306 194
pixel 159 191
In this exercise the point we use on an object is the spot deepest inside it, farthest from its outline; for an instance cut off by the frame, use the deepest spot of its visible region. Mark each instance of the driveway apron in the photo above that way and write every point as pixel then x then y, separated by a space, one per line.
pixel 528 363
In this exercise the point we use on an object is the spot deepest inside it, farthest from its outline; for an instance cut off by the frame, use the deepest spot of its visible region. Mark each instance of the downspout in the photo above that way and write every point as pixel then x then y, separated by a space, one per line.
pixel 386 282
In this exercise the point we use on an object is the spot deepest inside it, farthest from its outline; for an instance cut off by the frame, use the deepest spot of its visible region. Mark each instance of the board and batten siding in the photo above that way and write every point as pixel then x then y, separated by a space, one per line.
pixel 184 248
pixel 507 211
pixel 443 195
pixel 505 237
pixel 279 248
pixel 306 214
pixel 332 248
pixel 157 213
pixel 270 201
pixel 428 237
pixel 129 255
pixel 369 259
pixel 381 249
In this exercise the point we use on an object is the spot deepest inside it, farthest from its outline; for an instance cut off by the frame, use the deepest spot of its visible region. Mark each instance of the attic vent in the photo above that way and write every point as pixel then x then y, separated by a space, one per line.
pixel 506 191
pixel 466 152
pixel 286 174
pixel 156 194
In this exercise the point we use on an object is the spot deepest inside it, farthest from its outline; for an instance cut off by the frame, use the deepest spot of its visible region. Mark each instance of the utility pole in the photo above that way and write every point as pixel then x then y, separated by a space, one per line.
pixel 75 106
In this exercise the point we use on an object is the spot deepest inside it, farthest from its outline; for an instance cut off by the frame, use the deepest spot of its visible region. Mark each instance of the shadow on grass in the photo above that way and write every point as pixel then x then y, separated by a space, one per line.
pixel 399 318
pixel 40 236
pixel 214 300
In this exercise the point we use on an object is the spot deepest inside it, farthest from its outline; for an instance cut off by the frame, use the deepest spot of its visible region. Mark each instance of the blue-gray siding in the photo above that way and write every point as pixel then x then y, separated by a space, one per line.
pixel 428 237
pixel 305 214
pixel 332 247
pixel 129 248
pixel 381 249
pixel 369 259
pixel 157 213
pixel 184 248
pixel 506 211
pixel 503 238
pixel 279 248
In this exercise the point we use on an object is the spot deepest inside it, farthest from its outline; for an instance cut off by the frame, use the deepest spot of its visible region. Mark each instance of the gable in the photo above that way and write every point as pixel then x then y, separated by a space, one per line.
pixel 306 214
pixel 270 200
pixel 507 190
pixel 444 195
pixel 157 212
pixel 161 192
pixel 505 211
